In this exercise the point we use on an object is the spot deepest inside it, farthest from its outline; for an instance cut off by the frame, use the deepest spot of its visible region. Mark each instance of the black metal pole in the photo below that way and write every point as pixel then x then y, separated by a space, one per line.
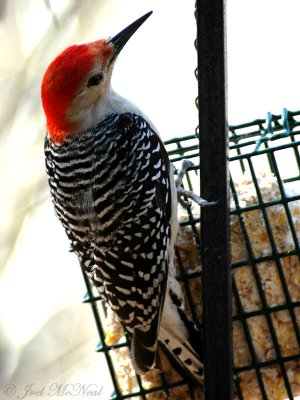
pixel 215 236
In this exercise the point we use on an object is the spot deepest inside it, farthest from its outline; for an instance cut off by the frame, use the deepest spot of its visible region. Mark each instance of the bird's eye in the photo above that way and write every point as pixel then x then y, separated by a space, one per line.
pixel 95 80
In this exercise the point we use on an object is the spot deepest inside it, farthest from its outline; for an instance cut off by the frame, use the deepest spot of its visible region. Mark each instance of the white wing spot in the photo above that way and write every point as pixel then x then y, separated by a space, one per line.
pixel 105 274
pixel 113 254
pixel 126 277
pixel 127 264
pixel 150 255
pixel 158 164
pixel 154 302
pixel 150 191
pixel 108 264
pixel 147 277
pixel 156 177
pixel 153 269
pixel 150 292
pixel 123 290
pixel 157 148
pixel 130 319
pixel 144 178
pixel 131 303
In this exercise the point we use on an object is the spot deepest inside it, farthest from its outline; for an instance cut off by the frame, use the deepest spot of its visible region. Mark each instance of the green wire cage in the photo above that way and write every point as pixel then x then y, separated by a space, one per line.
pixel 265 234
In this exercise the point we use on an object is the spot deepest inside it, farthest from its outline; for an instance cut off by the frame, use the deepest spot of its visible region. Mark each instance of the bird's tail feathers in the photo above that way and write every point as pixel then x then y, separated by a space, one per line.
pixel 180 338
pixel 143 349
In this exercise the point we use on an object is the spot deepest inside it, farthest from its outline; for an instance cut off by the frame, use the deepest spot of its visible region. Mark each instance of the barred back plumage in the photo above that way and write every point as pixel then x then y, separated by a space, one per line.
pixel 111 190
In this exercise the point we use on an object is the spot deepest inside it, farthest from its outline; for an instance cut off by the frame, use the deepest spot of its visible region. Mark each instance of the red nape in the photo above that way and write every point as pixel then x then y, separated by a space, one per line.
pixel 62 80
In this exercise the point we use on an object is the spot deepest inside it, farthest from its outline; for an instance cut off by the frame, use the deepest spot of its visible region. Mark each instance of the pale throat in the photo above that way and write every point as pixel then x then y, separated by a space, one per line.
pixel 84 116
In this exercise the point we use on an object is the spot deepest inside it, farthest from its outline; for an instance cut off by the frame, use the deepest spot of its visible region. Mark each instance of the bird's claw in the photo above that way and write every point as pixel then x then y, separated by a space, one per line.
pixel 184 203
pixel 186 165
pixel 193 196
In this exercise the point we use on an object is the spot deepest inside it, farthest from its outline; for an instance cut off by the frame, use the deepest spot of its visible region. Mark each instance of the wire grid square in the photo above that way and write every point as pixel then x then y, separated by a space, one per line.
pixel 265 264
pixel 265 213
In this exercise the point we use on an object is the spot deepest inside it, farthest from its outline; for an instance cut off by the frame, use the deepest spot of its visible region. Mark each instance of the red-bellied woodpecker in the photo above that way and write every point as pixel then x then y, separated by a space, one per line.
pixel 113 190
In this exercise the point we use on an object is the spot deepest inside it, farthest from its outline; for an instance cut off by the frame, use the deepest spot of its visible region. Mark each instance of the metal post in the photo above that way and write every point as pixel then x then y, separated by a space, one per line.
pixel 215 236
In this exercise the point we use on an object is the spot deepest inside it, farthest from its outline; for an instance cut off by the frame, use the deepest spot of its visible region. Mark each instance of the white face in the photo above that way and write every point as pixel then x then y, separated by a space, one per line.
pixel 92 91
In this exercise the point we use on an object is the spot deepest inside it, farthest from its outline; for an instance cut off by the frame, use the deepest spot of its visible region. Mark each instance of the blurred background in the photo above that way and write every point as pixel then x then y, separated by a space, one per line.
pixel 46 334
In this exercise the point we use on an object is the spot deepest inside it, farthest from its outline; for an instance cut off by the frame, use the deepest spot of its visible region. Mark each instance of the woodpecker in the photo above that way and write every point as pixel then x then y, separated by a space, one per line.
pixel 113 190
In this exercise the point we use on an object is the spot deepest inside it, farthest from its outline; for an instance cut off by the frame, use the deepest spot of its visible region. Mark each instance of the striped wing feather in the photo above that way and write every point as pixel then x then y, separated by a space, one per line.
pixel 111 190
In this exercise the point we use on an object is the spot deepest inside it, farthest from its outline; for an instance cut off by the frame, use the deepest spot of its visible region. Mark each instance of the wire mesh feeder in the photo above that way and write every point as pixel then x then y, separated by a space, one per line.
pixel 265 233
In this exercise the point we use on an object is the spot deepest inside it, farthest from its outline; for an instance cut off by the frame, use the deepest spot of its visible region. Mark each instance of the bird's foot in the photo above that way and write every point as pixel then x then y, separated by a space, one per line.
pixel 193 196
pixel 181 192
pixel 185 166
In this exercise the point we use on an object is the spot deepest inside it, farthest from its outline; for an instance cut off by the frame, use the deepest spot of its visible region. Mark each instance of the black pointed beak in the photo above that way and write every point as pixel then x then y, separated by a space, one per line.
pixel 122 38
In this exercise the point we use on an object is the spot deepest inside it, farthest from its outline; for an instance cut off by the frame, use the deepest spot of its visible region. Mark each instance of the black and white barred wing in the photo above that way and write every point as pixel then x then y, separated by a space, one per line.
pixel 115 204
pixel 134 266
